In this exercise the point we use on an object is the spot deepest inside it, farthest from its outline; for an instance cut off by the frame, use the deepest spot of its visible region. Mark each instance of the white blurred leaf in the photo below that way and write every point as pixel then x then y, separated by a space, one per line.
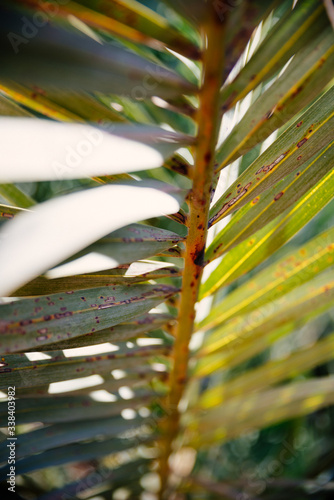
pixel 36 241
pixel 39 150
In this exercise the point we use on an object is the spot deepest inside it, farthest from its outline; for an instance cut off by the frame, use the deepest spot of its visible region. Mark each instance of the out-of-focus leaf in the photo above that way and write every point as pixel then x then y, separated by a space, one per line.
pixel 63 226
pixel 146 27
pixel 249 328
pixel 8 212
pixel 126 274
pixel 195 11
pixel 10 108
pixel 247 413
pixel 61 106
pixel 312 131
pixel 16 196
pixel 299 266
pixel 266 207
pixel 71 409
pixel 18 370
pixel 267 240
pixel 219 489
pixel 113 478
pixel 270 373
pixel 231 358
pixel 55 57
pixel 54 436
pixel 290 34
pixel 135 377
pixel 241 22
pixel 77 452
pixel 38 150
pixel 311 69
pixel 30 323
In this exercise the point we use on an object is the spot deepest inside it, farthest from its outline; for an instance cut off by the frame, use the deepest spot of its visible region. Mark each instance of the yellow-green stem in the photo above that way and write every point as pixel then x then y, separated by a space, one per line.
pixel 199 200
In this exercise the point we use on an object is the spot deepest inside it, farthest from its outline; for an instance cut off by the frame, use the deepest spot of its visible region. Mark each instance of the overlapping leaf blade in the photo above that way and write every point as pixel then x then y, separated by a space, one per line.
pixel 123 246
pixel 71 409
pixel 270 373
pixel 262 409
pixel 21 372
pixel 135 273
pixel 290 34
pixel 39 150
pixel 55 57
pixel 30 323
pixel 110 478
pixel 306 136
pixel 305 300
pixel 268 205
pixel 121 332
pixel 303 80
pixel 74 453
pixel 54 436
pixel 147 27
pixel 267 240
pixel 298 267
pixel 66 235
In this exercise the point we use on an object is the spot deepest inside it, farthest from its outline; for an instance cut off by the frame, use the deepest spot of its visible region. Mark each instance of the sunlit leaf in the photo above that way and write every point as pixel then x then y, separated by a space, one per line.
pixel 308 73
pixel 291 150
pixel 270 373
pixel 265 207
pixel 10 108
pixel 248 328
pixel 262 244
pixel 299 266
pixel 262 409
pixel 290 34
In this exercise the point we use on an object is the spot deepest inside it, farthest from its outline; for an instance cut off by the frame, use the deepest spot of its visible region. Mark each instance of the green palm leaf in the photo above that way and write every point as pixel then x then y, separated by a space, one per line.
pixel 197 135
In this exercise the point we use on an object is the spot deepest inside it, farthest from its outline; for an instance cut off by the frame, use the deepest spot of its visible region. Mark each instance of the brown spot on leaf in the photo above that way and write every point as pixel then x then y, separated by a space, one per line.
pixel 300 143
pixel 278 196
